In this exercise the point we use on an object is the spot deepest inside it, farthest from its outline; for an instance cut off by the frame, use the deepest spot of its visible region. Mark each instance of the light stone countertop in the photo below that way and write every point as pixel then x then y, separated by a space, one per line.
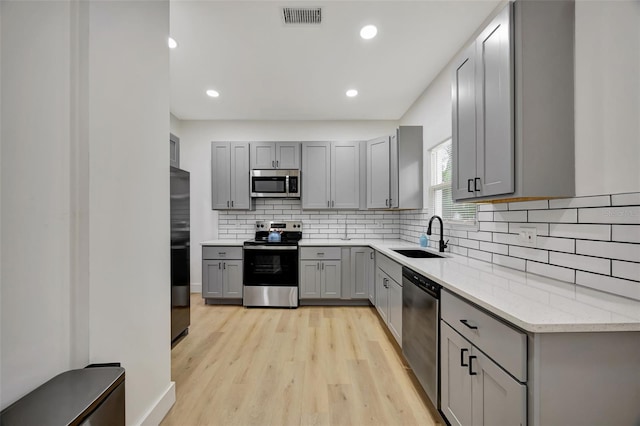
pixel 534 303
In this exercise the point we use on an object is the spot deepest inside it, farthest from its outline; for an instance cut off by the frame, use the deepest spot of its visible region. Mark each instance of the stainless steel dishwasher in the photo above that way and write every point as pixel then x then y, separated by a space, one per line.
pixel 421 329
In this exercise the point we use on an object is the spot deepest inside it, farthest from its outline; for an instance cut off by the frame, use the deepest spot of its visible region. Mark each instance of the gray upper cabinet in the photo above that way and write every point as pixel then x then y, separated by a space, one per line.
pixel 230 176
pixel 394 170
pixel 275 155
pixel 512 106
pixel 331 175
pixel 174 150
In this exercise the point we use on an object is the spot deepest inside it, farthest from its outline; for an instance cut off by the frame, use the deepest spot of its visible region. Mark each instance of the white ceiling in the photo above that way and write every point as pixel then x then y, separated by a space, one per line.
pixel 265 70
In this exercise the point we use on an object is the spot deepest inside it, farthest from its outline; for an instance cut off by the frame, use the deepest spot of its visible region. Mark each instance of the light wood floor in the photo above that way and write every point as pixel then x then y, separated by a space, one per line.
pixel 305 366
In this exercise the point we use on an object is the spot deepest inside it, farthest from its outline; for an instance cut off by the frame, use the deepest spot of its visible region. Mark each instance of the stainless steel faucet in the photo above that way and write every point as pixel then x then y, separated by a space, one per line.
pixel 441 244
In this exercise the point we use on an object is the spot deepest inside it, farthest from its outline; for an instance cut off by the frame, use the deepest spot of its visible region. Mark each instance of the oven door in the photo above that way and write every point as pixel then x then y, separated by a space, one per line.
pixel 273 266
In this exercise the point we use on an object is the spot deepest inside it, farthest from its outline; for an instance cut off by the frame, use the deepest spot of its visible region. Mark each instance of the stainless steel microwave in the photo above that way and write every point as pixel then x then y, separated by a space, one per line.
pixel 275 183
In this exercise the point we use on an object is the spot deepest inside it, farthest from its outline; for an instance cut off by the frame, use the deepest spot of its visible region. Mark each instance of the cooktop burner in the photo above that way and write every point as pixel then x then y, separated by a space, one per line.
pixel 289 233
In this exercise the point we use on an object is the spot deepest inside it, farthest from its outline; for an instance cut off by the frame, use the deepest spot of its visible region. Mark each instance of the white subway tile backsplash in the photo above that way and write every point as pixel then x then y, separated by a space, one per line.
pixel 480 255
pixel 494 248
pixel 626 233
pixel 509 262
pixel 598 201
pixel 495 207
pixel 472 244
pixel 506 239
pixel 583 263
pixel 484 216
pixel 556 272
pixel 628 270
pixel 481 236
pixel 529 205
pixel 494 226
pixel 629 199
pixel 463 251
pixel 619 286
pixel 529 253
pixel 517 216
pixel 586 232
pixel 624 215
pixel 620 251
pixel 556 244
pixel 541 228
pixel 554 216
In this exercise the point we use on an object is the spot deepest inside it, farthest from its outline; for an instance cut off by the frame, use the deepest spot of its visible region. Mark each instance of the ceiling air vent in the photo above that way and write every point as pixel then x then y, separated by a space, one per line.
pixel 302 15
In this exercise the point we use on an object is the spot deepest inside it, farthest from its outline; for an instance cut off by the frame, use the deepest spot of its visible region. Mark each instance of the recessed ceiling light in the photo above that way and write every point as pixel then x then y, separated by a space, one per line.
pixel 368 31
pixel 172 43
pixel 352 92
pixel 212 93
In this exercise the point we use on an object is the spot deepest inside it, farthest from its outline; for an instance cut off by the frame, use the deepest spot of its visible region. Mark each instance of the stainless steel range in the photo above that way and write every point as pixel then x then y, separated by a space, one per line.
pixel 270 273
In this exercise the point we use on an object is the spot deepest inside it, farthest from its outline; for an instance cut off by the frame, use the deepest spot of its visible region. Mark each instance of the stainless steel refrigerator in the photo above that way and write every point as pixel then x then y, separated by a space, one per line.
pixel 180 245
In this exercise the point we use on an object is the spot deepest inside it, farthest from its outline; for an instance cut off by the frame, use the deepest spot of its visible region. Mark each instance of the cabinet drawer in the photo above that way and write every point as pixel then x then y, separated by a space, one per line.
pixel 506 345
pixel 319 253
pixel 392 268
pixel 213 252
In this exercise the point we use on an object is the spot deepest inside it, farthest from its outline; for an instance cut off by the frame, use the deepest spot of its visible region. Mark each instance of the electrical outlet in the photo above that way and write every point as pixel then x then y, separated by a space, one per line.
pixel 528 236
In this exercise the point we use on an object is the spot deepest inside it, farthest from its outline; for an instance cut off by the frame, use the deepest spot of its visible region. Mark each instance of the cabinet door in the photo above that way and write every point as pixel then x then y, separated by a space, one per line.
pixel 316 175
pixel 263 155
pixel 220 176
pixel 395 310
pixel 174 150
pixel 378 173
pixel 494 106
pixel 463 142
pixel 498 399
pixel 288 155
pixel 382 294
pixel 240 199
pixel 345 175
pixel 371 277
pixel 455 381
pixel 359 272
pixel 212 278
pixel 331 281
pixel 232 285
pixel 309 279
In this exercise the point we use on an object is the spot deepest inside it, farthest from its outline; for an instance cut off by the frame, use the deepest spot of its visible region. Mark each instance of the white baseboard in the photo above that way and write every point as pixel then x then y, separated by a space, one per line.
pixel 196 287
pixel 160 409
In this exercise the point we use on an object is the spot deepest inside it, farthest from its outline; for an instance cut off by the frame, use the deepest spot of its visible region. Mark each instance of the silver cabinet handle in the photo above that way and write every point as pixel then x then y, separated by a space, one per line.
pixel 371 255
pixel 386 202
pixel 227 204
pixel 277 163
pixel 231 203
pixel 222 253
pixel 390 202
pixel 323 266
pixel 224 265
pixel 273 164
pixel 219 263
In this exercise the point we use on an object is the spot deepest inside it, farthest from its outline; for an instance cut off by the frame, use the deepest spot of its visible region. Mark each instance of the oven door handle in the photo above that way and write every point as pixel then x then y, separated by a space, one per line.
pixel 267 247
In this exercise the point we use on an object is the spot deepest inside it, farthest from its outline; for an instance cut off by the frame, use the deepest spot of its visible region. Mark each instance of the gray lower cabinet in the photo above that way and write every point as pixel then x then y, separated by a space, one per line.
pixel 331 175
pixel 474 389
pixel 230 176
pixel 361 273
pixel 320 273
pixel 275 155
pixel 221 272
pixel 388 294
pixel 512 106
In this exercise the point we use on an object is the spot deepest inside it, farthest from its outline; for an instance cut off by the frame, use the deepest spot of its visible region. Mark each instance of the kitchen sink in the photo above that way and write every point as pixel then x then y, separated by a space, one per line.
pixel 417 253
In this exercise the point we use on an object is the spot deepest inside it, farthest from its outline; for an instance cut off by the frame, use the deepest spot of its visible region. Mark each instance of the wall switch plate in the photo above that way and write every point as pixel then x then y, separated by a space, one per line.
pixel 528 236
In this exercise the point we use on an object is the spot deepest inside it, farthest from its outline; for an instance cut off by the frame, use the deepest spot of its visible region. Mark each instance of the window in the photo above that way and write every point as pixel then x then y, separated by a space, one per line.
pixel 440 188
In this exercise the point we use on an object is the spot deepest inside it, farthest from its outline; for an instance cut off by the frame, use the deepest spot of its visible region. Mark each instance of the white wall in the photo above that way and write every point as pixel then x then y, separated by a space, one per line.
pixel 175 125
pixel 35 323
pixel 195 157
pixel 85 196
pixel 607 95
